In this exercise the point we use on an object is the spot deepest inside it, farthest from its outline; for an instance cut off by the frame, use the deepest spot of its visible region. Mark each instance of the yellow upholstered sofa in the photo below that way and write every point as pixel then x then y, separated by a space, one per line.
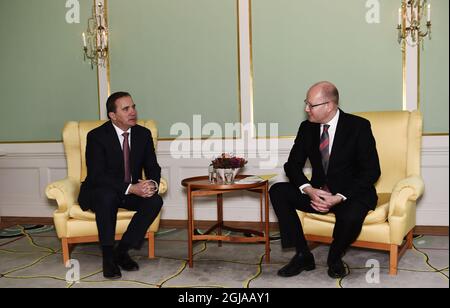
pixel 73 225
pixel 389 227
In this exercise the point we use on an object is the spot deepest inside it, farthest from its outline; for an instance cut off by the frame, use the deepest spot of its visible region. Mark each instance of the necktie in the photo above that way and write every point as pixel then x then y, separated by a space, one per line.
pixel 126 158
pixel 324 147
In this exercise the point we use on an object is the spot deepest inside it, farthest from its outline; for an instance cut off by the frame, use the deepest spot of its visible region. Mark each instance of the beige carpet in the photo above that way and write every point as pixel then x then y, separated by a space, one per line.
pixel 33 259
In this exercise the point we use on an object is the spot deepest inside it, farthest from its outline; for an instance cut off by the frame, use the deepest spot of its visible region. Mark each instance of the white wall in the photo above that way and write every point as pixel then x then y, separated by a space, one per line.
pixel 26 169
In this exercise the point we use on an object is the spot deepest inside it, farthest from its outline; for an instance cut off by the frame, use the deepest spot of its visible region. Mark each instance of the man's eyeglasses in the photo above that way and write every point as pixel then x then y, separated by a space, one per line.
pixel 311 106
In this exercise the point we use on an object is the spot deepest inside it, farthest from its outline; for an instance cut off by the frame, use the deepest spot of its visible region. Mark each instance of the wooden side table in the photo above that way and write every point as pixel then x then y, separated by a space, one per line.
pixel 200 186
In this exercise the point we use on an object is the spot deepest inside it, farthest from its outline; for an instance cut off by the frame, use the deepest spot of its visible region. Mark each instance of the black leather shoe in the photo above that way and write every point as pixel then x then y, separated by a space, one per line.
pixel 126 263
pixel 299 263
pixel 337 270
pixel 111 270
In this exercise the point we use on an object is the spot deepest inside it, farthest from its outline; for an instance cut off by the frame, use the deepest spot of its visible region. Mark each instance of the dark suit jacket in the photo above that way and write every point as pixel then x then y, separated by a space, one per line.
pixel 354 166
pixel 104 161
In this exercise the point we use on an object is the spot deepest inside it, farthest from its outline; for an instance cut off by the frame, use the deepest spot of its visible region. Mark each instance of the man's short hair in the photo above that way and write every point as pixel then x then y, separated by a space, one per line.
pixel 111 101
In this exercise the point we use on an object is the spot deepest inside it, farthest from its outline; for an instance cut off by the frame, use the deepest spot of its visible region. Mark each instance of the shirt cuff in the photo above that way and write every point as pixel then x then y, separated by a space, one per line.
pixel 127 191
pixel 343 197
pixel 303 187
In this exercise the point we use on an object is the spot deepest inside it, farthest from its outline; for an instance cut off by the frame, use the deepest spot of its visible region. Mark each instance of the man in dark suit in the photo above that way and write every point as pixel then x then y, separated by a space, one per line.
pixel 345 166
pixel 116 153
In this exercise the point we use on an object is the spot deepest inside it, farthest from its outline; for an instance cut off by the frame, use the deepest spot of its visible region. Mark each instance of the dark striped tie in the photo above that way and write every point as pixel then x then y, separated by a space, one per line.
pixel 126 158
pixel 325 147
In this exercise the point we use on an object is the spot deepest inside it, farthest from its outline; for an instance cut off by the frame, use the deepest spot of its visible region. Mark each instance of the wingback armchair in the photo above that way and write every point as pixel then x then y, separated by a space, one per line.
pixel 389 227
pixel 73 225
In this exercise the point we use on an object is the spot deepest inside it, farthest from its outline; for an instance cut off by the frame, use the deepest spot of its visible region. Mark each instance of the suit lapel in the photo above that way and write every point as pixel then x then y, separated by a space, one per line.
pixel 116 148
pixel 316 145
pixel 339 137
pixel 114 141
pixel 134 147
pixel 316 139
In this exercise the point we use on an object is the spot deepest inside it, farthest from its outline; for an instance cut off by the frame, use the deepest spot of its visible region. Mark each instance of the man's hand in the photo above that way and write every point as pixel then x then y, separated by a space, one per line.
pixel 144 189
pixel 321 200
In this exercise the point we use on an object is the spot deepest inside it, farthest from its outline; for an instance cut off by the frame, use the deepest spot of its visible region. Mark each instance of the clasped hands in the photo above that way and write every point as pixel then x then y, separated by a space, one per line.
pixel 144 188
pixel 321 200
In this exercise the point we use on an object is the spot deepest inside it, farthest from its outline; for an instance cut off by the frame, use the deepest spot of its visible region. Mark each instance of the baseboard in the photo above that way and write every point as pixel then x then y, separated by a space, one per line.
pixel 7 221
pixel 431 230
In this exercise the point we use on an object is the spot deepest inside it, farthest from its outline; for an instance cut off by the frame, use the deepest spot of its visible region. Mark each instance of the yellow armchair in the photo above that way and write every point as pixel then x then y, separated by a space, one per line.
pixel 72 224
pixel 389 227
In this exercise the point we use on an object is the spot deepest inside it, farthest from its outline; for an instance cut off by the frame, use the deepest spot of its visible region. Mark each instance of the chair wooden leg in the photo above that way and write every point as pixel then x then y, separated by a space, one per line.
pixel 393 259
pixel 65 250
pixel 151 245
pixel 409 239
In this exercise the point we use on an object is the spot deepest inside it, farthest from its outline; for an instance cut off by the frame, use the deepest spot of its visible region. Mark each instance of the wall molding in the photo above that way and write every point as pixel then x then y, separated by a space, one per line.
pixel 26 169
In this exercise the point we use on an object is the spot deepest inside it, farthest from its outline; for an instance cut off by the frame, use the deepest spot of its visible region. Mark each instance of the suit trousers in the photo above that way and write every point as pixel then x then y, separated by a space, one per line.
pixel 106 203
pixel 287 199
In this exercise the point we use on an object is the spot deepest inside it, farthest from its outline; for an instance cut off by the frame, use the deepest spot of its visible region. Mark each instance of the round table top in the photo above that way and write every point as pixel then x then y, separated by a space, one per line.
pixel 202 182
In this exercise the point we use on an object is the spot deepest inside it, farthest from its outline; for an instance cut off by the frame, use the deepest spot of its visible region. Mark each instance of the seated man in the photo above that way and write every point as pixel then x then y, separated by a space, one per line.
pixel 345 166
pixel 116 153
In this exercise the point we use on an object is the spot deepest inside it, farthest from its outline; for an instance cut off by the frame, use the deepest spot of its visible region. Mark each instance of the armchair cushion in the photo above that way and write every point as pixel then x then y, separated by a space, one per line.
pixel 77 213
pixel 379 215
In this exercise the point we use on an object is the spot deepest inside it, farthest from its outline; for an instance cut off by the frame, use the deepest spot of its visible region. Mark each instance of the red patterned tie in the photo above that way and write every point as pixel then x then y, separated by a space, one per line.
pixel 324 147
pixel 126 158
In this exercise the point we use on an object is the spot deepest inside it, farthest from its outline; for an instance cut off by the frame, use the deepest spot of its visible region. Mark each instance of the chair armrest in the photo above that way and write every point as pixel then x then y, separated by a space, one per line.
pixel 65 192
pixel 408 189
pixel 402 207
pixel 162 186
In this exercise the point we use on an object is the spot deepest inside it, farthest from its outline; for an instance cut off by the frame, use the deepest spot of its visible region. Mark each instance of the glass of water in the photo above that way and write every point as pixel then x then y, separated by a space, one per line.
pixel 228 175
pixel 211 174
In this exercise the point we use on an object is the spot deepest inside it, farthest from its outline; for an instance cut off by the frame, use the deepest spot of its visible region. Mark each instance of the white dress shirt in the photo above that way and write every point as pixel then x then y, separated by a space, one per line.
pixel 331 130
pixel 121 139
pixel 331 133
pixel 119 133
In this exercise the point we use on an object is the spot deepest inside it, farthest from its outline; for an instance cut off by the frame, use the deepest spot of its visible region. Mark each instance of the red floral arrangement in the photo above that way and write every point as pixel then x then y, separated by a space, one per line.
pixel 225 161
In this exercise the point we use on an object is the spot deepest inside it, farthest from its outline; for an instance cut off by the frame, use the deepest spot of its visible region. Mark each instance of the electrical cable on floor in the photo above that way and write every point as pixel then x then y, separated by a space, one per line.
pixel 165 280
pixel 404 269
pixel 163 283
pixel 26 266
pixel 258 273
pixel 178 272
pixel 121 281
pixel 13 240
pixel 427 261
pixel 31 240
pixel 201 250
pixel 339 280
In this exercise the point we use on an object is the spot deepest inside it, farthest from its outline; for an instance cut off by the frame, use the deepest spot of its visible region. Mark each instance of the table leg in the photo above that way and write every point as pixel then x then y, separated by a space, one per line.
pixel 219 216
pixel 267 235
pixel 190 227
pixel 261 213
